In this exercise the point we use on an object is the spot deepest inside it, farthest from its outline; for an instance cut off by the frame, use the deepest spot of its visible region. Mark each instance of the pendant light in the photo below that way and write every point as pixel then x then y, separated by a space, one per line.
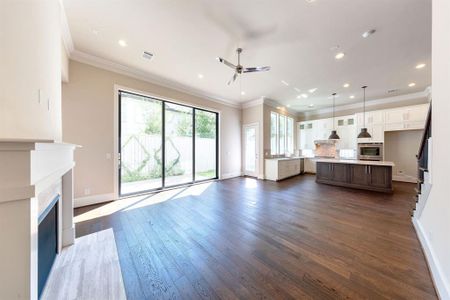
pixel 364 133
pixel 334 135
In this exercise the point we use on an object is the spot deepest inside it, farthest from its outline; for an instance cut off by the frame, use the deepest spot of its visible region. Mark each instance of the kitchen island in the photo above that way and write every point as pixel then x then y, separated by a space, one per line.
pixel 359 174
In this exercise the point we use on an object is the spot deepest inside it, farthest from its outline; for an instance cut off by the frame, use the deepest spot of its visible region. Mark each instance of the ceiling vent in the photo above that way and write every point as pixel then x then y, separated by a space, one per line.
pixel 392 91
pixel 147 55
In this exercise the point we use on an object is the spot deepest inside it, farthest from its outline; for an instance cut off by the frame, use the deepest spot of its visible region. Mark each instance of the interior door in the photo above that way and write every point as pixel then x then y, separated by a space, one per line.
pixel 251 150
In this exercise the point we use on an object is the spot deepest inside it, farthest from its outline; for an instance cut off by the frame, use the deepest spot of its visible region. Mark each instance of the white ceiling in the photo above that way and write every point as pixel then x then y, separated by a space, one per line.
pixel 294 37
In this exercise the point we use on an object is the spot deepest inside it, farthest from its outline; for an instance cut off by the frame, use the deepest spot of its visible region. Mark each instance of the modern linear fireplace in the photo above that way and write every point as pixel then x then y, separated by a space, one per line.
pixel 47 242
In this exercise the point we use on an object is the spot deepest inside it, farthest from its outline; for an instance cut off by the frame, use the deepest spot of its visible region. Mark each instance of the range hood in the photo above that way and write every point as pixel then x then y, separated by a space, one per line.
pixel 326 142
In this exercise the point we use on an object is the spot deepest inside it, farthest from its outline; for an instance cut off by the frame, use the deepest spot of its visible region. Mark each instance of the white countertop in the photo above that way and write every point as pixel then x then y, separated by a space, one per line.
pixel 286 158
pixel 355 162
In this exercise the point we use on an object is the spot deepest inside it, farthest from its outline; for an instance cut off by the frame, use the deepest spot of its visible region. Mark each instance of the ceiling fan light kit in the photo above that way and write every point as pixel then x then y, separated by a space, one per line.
pixel 239 69
pixel 364 133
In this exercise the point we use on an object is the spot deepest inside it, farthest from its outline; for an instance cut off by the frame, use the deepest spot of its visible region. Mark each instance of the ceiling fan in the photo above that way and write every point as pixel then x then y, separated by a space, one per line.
pixel 239 69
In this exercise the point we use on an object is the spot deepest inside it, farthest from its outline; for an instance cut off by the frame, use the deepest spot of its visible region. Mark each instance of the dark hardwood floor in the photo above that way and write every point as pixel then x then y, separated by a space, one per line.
pixel 248 239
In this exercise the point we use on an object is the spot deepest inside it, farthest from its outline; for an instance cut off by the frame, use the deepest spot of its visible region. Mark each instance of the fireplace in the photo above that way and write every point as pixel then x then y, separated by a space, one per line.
pixel 47 242
pixel 36 213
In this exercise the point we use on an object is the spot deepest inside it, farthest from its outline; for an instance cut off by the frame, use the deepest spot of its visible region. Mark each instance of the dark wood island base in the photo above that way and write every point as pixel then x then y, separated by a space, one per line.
pixel 373 176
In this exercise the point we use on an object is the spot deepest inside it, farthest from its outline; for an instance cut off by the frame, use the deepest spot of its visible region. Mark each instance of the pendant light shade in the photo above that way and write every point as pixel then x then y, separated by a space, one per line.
pixel 334 135
pixel 364 133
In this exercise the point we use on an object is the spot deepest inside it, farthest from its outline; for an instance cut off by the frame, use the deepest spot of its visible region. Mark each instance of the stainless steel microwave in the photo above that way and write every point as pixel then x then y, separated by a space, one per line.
pixel 370 151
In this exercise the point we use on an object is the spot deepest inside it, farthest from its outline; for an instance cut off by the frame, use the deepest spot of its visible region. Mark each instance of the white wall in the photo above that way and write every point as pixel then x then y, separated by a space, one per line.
pixel 30 60
pixel 434 223
pixel 88 120
pixel 401 147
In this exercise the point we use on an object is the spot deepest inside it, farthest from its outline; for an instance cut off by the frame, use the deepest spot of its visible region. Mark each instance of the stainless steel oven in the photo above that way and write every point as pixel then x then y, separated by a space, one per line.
pixel 370 151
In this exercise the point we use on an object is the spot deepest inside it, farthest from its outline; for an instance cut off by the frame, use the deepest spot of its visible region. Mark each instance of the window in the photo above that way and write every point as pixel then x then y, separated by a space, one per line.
pixel 164 144
pixel 281 134
pixel 273 133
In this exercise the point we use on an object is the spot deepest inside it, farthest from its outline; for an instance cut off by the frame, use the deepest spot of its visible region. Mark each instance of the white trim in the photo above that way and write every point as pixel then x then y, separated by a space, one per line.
pixel 65 31
pixel 230 175
pixel 390 100
pixel 94 199
pixel 404 178
pixel 252 103
pixel 437 274
pixel 144 76
pixel 274 104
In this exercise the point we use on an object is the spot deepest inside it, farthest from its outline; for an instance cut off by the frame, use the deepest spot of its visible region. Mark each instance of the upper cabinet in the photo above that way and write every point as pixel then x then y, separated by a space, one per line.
pixel 406 118
pixel 376 122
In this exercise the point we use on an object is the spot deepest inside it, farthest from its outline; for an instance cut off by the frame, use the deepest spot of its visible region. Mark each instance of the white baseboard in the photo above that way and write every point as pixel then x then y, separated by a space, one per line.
pixel 230 175
pixel 94 199
pixel 404 178
pixel 437 274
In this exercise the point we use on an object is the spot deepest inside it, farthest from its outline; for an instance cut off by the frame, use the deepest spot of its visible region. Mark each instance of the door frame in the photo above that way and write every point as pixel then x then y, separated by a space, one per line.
pixel 244 148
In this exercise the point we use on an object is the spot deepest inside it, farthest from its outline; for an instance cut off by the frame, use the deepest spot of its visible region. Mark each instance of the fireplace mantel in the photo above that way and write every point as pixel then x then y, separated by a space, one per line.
pixel 31 173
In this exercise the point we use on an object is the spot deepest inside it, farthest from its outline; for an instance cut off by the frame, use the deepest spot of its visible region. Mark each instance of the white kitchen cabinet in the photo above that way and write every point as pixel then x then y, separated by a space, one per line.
pixel 277 169
pixel 323 129
pixel 307 135
pixel 406 118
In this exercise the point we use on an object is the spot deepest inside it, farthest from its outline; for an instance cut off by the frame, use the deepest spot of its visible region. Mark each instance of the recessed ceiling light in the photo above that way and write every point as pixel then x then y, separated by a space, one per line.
pixel 310 1
pixel 368 33
pixel 340 55
pixel 242 93
pixel 311 105
pixel 304 95
pixel 299 96
pixel 411 84
pixel 352 97
pixel 122 43
pixel 420 66
pixel 288 105
pixel 346 85
pixel 147 55
pixel 285 83
pixel 312 90
pixel 200 76
pixel 297 90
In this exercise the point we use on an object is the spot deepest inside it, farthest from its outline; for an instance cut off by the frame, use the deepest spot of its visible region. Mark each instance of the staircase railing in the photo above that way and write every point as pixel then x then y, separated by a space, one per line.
pixel 422 157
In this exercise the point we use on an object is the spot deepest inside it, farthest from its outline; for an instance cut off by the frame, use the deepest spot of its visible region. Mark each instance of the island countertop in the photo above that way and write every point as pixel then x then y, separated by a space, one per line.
pixel 356 162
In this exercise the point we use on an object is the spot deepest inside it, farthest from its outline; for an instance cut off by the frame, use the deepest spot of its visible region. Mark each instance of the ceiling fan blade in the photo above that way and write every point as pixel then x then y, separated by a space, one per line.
pixel 226 62
pixel 256 69
pixel 233 79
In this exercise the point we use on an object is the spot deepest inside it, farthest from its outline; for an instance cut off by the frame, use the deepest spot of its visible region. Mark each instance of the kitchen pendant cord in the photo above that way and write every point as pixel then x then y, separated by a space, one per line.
pixel 364 106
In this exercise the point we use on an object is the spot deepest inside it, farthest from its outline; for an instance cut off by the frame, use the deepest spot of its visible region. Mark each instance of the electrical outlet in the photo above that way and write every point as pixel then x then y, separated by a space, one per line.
pixel 87 191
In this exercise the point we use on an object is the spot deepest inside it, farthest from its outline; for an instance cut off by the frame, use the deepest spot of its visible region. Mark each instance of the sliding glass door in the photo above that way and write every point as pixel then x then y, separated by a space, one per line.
pixel 178 144
pixel 205 140
pixel 163 144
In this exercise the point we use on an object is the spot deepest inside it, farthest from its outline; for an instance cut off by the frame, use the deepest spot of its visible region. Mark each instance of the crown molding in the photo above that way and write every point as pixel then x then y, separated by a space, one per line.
pixel 112 66
pixel 65 31
pixel 275 104
pixel 256 102
pixel 396 99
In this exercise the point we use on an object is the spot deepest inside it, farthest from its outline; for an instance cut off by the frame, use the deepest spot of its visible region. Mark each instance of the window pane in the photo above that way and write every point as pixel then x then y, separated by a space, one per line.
pixel 282 134
pixel 178 144
pixel 140 144
pixel 205 145
pixel 273 133
pixel 290 135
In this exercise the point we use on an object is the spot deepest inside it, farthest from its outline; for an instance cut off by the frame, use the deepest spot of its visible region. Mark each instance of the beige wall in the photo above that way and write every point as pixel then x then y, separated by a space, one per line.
pixel 434 222
pixel 88 120
pixel 30 60
pixel 401 147
pixel 254 114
